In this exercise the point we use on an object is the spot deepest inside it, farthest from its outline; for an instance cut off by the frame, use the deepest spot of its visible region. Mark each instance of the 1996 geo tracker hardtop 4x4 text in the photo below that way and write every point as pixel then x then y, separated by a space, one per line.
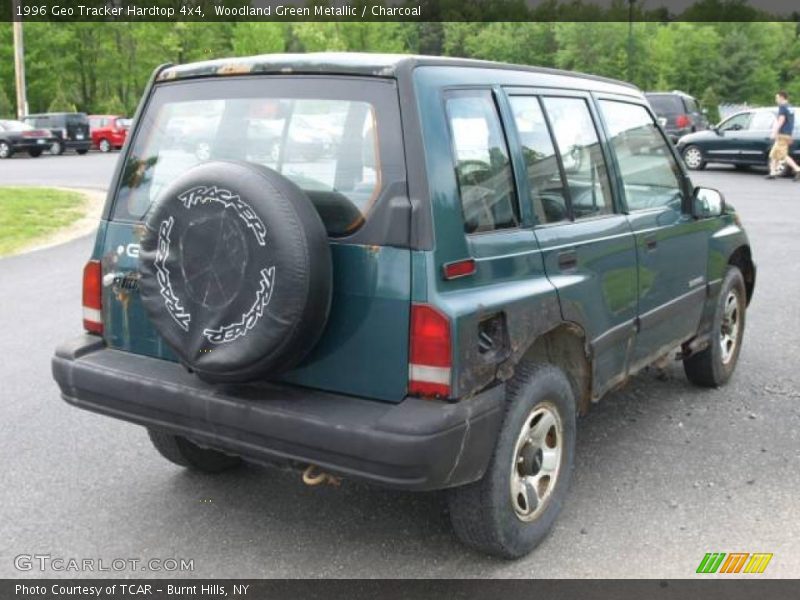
pixel 413 271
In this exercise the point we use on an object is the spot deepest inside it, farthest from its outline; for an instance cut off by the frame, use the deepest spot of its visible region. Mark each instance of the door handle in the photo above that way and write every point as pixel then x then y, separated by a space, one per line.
pixel 650 242
pixel 567 260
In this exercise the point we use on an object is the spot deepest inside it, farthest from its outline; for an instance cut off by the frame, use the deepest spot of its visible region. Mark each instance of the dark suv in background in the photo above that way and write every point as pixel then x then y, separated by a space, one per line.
pixel 678 113
pixel 71 130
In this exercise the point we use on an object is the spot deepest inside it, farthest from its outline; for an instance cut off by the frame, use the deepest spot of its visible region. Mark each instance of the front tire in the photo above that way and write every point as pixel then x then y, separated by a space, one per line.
pixel 714 366
pixel 56 149
pixel 179 450
pixel 512 508
pixel 694 158
pixel 82 151
pixel 35 153
pixel 6 151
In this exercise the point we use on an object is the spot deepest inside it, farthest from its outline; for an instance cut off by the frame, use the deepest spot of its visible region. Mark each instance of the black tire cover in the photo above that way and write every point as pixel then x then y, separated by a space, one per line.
pixel 236 271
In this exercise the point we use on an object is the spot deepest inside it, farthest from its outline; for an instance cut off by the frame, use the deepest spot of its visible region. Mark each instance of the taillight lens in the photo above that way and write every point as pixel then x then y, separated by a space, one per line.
pixel 682 121
pixel 93 297
pixel 430 353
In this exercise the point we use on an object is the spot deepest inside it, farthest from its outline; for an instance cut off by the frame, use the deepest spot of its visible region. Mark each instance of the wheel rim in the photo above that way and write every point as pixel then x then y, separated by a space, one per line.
pixel 693 158
pixel 537 461
pixel 3 150
pixel 55 148
pixel 104 146
pixel 729 328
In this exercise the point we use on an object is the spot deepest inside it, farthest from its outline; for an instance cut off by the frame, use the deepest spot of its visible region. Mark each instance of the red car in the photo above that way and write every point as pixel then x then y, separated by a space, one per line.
pixel 108 131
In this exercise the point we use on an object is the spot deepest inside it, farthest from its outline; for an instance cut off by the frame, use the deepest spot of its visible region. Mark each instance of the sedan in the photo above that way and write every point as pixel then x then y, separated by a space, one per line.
pixel 16 136
pixel 743 140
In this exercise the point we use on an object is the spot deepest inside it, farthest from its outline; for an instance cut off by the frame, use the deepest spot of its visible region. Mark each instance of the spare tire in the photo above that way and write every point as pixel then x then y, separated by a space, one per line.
pixel 235 271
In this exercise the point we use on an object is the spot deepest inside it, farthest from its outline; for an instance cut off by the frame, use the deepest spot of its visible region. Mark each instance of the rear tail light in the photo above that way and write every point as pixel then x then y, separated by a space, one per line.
pixel 430 354
pixel 93 297
pixel 682 121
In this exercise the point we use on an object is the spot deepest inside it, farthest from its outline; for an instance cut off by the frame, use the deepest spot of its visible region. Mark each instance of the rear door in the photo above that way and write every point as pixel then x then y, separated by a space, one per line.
pixel 756 140
pixel 341 145
pixel 586 243
pixel 671 246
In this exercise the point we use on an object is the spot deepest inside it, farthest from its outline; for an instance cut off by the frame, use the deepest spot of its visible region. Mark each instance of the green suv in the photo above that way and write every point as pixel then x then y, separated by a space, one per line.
pixel 470 256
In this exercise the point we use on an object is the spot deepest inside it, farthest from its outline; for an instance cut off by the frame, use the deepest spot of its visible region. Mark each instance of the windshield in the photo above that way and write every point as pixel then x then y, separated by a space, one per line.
pixel 323 135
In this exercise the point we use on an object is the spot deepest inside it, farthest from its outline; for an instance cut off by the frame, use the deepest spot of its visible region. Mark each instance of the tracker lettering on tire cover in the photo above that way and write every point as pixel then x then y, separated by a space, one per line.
pixel 236 271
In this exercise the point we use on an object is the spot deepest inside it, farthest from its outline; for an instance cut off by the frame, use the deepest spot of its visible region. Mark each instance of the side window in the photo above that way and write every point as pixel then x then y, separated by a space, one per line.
pixel 482 165
pixel 547 195
pixel 737 122
pixel 762 121
pixel 650 175
pixel 581 156
pixel 691 105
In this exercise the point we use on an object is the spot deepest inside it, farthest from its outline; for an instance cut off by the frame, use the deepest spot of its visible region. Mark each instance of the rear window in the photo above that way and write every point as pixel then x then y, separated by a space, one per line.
pixel 331 137
pixel 77 119
pixel 665 104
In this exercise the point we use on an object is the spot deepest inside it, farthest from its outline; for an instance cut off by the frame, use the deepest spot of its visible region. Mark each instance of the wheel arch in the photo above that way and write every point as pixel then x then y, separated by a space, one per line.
pixel 565 347
pixel 742 258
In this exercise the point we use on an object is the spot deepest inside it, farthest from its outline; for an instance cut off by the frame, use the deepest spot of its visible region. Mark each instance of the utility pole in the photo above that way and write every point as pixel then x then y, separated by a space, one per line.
pixel 19 64
pixel 630 39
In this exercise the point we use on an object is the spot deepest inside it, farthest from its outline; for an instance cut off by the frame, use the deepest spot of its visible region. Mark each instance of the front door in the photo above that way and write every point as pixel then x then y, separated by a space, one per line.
pixel 671 246
pixel 727 146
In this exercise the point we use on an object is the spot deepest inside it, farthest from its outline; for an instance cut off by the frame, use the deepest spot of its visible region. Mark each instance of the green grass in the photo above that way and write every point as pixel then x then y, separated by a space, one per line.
pixel 28 215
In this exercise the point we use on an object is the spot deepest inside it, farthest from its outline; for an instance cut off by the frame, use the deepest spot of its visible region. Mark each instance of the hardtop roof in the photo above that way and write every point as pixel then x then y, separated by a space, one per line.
pixel 352 63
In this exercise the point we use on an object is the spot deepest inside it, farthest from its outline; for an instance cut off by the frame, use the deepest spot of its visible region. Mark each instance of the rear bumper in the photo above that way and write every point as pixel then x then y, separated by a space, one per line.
pixel 415 444
pixel 77 144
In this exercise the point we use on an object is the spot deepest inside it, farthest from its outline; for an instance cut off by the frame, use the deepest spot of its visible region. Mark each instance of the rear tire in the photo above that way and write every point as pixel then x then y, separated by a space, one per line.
pixel 714 366
pixel 694 159
pixel 82 151
pixel 56 149
pixel 184 453
pixel 512 508
pixel 104 146
pixel 35 153
pixel 6 151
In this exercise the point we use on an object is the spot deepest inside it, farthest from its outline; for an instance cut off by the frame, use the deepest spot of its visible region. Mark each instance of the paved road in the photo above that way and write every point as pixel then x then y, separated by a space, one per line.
pixel 665 472
pixel 93 170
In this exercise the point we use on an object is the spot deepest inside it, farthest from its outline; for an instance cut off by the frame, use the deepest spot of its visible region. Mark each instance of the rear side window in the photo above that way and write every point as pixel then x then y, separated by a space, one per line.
pixel 332 138
pixel 548 196
pixel 482 165
pixel 581 156
pixel 762 121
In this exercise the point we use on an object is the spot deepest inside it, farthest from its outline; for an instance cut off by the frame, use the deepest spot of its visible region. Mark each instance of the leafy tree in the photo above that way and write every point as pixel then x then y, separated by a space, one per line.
pixel 259 37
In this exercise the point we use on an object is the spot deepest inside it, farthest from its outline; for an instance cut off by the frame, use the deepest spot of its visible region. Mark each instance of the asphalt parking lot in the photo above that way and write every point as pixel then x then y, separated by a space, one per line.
pixel 665 472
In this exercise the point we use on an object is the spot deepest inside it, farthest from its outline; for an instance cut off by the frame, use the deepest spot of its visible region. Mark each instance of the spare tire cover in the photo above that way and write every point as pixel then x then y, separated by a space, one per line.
pixel 235 271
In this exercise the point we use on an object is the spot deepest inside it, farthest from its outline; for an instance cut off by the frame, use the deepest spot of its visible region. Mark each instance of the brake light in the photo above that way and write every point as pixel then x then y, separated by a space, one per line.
pixel 430 357
pixel 93 297
pixel 682 121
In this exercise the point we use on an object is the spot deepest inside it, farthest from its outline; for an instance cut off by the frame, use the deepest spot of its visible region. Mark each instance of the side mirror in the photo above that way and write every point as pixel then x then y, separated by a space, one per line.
pixel 707 203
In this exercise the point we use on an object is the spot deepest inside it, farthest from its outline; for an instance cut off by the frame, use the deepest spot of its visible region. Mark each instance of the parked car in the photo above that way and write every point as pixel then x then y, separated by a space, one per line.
pixel 71 130
pixel 743 139
pixel 678 113
pixel 16 136
pixel 108 131
pixel 429 308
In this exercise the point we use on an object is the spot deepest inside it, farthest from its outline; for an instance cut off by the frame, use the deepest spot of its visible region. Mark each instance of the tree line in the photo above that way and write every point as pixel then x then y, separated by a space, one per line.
pixel 103 67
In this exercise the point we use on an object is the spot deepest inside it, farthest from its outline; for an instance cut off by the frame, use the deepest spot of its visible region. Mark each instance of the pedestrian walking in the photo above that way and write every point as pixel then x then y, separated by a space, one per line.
pixel 782 132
